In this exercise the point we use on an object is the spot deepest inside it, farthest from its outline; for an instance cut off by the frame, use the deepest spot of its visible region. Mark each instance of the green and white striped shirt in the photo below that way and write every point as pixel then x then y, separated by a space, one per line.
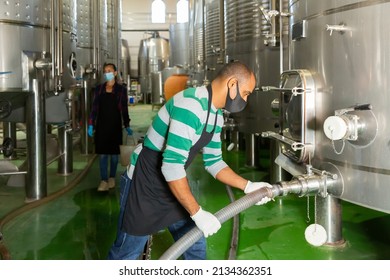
pixel 177 127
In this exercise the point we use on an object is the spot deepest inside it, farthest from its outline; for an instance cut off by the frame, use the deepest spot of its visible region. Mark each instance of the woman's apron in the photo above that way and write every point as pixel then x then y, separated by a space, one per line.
pixel 151 206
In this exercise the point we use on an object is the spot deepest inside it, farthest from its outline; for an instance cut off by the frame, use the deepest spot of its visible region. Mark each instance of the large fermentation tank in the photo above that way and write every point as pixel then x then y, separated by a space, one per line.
pixel 153 57
pixel 24 29
pixel 85 35
pixel 26 25
pixel 179 45
pixel 247 33
pixel 339 56
pixel 125 63
pixel 97 33
pixel 69 39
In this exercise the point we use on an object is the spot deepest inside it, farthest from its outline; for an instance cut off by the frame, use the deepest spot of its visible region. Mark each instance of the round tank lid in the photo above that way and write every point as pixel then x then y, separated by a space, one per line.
pixel 315 234
pixel 335 128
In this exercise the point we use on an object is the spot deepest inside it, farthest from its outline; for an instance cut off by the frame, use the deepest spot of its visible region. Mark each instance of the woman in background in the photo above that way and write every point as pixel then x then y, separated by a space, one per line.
pixel 109 115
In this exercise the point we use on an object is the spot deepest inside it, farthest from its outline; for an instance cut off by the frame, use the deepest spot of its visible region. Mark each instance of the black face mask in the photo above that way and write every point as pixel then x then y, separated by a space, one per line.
pixel 235 105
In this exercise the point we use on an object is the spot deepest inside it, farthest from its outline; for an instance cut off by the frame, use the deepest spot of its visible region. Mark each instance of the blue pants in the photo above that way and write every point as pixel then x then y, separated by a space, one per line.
pixel 103 163
pixel 130 247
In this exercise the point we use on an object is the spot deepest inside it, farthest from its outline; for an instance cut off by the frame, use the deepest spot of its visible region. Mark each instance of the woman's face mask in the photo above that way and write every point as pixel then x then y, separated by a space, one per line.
pixel 109 76
pixel 235 105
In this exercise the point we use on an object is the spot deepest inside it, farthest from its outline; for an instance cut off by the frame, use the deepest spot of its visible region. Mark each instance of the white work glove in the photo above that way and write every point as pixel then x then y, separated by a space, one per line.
pixel 206 222
pixel 251 187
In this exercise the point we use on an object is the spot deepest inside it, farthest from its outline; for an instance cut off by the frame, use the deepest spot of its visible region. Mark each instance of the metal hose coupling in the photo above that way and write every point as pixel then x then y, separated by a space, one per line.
pixel 313 184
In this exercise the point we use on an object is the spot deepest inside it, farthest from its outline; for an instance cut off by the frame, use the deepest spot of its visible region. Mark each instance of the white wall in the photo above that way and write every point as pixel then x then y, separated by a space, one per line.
pixel 136 21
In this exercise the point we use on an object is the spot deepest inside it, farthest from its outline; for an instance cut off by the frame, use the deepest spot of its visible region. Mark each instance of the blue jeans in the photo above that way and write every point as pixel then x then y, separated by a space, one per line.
pixel 130 247
pixel 103 163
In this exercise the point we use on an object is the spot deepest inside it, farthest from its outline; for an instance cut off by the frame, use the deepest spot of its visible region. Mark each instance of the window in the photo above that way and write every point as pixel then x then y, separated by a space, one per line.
pixel 182 11
pixel 158 11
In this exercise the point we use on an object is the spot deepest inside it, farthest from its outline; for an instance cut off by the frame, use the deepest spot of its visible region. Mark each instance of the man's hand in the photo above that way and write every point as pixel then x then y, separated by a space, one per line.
pixel 251 187
pixel 206 222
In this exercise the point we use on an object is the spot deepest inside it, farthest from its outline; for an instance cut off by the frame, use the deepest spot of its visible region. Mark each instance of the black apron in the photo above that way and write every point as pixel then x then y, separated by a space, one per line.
pixel 151 206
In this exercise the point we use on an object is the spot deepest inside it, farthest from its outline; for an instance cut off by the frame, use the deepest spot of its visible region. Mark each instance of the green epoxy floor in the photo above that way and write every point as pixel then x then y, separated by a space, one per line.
pixel 81 223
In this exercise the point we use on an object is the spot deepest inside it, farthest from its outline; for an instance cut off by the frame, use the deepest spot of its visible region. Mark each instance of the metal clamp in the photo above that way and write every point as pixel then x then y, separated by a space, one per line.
pixel 295 90
pixel 341 28
pixel 295 146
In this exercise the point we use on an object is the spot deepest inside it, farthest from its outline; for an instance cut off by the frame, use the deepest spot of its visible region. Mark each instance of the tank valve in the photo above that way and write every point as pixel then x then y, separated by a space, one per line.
pixel 356 124
pixel 341 127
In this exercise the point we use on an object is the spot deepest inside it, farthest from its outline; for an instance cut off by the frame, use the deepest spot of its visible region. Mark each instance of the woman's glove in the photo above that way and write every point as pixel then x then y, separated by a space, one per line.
pixel 90 130
pixel 206 222
pixel 251 187
pixel 129 131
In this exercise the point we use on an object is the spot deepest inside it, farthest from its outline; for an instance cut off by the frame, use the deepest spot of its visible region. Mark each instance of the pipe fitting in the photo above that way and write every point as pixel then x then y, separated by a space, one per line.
pixel 43 64
pixel 303 185
pixel 230 124
pixel 322 183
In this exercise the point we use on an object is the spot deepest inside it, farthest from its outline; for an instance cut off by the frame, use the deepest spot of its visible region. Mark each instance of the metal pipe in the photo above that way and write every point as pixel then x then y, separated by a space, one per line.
pixel 222 31
pixel 96 37
pixel 251 150
pixel 53 47
pixel 273 34
pixel 328 212
pixel 13 173
pixel 25 172
pixel 204 43
pixel 281 53
pixel 36 183
pixel 43 63
pixel 117 45
pixel 277 173
pixel 59 62
pixel 54 159
pixel 86 144
pixel 65 162
pixel 56 44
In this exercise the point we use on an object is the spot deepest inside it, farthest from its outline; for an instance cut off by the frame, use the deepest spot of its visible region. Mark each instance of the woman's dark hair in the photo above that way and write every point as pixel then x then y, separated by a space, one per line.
pixel 109 64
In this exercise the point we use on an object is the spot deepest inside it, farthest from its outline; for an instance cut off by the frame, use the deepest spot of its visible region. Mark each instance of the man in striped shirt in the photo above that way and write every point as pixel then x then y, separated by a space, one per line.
pixel 160 195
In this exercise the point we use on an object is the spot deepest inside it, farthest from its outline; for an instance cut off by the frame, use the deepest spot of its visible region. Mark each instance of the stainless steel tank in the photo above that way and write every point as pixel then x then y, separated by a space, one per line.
pixel 26 25
pixel 337 106
pixel 157 88
pixel 125 63
pixel 247 32
pixel 143 66
pixel 69 39
pixel 153 57
pixel 253 36
pixel 158 53
pixel 85 35
pixel 24 28
pixel 98 39
pixel 179 45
